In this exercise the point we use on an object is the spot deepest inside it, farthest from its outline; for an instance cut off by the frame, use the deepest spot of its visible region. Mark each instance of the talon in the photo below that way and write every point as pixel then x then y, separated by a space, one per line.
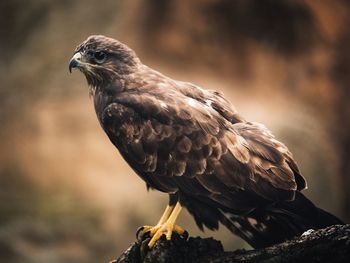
pixel 142 231
pixel 185 235
pixel 144 248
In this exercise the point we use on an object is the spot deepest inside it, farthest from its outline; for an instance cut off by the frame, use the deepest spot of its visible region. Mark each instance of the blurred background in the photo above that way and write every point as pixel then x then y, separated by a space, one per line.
pixel 65 193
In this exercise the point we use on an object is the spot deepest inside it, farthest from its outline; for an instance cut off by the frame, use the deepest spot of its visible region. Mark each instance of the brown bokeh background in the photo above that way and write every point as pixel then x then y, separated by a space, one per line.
pixel 66 195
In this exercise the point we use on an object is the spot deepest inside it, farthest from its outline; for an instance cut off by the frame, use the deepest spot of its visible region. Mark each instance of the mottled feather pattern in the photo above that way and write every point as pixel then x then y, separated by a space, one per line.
pixel 192 140
pixel 192 144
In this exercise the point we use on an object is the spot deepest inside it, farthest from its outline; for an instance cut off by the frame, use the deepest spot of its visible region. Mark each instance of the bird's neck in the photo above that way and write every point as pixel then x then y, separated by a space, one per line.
pixel 107 92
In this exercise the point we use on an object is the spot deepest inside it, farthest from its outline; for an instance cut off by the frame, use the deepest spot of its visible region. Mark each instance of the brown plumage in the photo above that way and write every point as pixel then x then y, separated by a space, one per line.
pixel 192 144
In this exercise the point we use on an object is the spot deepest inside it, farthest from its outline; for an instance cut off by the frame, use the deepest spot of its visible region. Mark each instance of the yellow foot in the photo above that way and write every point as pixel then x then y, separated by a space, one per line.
pixel 166 226
pixel 166 229
pixel 142 231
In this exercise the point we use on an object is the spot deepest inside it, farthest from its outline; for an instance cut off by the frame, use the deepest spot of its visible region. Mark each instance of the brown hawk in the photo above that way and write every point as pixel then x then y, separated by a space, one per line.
pixel 192 144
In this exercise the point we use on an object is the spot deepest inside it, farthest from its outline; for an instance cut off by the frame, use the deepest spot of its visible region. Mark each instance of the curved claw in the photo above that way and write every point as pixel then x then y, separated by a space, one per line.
pixel 140 230
pixel 146 231
pixel 185 235
pixel 144 248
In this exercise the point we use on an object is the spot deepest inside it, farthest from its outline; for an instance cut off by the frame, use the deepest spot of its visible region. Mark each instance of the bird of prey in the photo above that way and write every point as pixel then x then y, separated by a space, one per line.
pixel 192 144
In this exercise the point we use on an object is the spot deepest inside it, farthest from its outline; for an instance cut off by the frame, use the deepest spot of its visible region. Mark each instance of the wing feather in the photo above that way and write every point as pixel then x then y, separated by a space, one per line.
pixel 199 144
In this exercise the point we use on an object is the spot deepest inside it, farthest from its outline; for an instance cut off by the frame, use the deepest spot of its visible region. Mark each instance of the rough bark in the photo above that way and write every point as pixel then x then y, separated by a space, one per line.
pixel 331 244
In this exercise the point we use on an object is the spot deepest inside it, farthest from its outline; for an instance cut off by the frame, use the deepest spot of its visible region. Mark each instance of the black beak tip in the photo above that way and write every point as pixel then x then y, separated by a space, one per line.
pixel 73 63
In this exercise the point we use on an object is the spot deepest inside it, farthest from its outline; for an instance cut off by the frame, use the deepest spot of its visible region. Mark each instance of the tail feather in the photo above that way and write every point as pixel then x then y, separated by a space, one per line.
pixel 278 222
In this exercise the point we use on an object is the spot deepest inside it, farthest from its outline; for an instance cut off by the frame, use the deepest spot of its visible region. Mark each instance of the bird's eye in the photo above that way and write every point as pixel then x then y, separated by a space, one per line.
pixel 100 56
pixel 89 54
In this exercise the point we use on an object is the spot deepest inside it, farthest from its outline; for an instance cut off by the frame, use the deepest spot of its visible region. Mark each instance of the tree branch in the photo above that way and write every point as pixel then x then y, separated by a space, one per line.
pixel 331 244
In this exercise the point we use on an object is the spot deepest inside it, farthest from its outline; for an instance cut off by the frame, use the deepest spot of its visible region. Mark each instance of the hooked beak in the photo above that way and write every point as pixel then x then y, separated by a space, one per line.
pixel 75 61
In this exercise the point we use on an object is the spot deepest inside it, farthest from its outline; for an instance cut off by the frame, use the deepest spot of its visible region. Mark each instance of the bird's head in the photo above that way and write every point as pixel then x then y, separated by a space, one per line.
pixel 102 59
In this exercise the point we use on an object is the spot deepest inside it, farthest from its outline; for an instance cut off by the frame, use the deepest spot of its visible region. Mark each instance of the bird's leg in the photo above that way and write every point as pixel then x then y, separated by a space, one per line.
pixel 168 226
pixel 152 229
pixel 166 214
